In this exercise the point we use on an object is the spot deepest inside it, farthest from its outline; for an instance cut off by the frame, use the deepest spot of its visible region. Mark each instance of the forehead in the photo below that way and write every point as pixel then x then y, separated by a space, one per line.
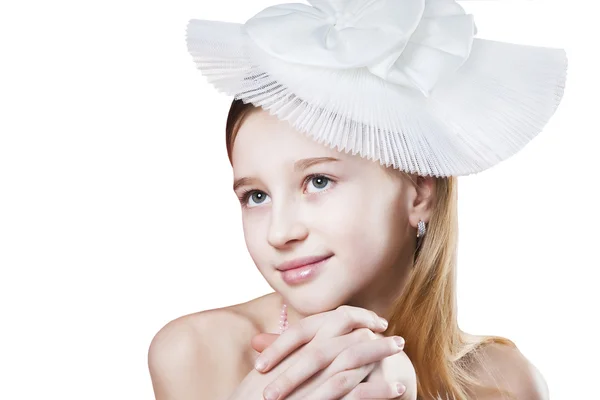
pixel 265 138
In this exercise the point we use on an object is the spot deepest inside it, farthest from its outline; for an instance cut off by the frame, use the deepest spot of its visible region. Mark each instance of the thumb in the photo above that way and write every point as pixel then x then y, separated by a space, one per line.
pixel 263 340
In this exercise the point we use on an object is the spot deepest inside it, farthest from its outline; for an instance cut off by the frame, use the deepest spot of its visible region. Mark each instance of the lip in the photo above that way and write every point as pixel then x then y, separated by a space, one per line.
pixel 305 272
pixel 301 262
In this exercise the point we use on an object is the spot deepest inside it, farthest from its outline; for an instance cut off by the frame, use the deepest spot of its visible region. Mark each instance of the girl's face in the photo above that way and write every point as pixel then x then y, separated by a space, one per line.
pixel 350 208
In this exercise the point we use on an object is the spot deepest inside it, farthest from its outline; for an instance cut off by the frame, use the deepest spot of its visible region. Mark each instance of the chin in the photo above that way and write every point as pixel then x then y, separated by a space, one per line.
pixel 314 301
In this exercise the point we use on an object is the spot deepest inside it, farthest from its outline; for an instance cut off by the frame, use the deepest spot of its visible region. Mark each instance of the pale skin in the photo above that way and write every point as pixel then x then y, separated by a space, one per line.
pixel 302 203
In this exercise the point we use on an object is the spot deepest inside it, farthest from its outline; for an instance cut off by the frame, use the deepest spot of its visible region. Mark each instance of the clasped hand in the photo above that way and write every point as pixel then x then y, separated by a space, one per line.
pixel 329 355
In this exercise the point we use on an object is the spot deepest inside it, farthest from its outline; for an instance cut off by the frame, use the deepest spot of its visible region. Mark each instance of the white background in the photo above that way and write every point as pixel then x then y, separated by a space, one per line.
pixel 117 214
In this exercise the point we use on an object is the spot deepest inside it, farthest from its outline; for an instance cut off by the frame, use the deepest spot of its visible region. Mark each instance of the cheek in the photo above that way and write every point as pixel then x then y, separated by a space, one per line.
pixel 366 231
pixel 255 239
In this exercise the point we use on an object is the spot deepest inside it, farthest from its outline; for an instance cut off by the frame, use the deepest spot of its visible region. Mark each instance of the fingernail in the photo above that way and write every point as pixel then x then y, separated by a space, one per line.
pixel 260 364
pixel 271 394
pixel 399 341
pixel 401 389
pixel 383 322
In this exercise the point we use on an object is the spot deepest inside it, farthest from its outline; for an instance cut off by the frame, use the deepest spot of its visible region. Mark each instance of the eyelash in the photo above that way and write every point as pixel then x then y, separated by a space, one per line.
pixel 245 195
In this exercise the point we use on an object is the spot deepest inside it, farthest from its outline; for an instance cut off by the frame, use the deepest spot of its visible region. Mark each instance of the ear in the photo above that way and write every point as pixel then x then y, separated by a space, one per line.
pixel 422 202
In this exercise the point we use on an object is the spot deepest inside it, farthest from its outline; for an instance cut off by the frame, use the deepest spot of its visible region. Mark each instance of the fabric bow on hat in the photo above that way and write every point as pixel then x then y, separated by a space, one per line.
pixel 413 43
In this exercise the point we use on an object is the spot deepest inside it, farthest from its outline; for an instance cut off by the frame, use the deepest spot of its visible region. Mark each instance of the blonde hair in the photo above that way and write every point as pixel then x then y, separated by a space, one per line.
pixel 425 314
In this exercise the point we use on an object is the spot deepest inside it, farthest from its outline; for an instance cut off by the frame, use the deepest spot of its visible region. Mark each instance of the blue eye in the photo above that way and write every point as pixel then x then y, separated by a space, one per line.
pixel 320 178
pixel 321 182
pixel 248 193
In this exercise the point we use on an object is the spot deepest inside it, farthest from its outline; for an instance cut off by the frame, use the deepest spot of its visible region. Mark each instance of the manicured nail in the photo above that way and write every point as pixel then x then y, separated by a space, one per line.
pixel 399 341
pixel 401 389
pixel 383 322
pixel 271 394
pixel 260 364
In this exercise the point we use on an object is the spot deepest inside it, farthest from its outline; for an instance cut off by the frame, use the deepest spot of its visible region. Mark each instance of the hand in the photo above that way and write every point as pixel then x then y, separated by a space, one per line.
pixel 396 368
pixel 337 352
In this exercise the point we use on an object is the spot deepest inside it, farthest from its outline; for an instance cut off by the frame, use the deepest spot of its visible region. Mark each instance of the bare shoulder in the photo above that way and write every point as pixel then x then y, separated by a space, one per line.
pixel 204 354
pixel 506 367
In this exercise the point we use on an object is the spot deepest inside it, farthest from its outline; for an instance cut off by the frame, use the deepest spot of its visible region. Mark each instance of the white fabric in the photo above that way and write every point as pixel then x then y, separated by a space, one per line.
pixel 430 112
pixel 409 42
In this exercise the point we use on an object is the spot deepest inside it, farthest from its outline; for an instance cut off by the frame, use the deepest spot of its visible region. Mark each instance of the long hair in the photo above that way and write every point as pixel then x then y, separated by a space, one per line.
pixel 425 314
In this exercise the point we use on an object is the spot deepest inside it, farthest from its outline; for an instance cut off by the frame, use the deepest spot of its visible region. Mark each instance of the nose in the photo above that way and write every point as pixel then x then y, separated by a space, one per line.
pixel 286 224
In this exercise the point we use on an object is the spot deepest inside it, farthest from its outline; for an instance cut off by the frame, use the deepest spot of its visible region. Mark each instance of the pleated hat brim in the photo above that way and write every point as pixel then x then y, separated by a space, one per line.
pixel 489 109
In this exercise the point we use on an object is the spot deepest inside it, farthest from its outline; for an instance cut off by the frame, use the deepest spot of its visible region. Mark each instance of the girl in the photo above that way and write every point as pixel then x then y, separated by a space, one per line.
pixel 345 239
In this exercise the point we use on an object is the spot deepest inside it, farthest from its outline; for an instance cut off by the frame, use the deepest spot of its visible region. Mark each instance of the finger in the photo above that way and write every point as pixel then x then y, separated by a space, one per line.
pixel 375 390
pixel 366 352
pixel 341 383
pixel 347 318
pixel 305 330
pixel 295 336
pixel 351 355
pixel 263 340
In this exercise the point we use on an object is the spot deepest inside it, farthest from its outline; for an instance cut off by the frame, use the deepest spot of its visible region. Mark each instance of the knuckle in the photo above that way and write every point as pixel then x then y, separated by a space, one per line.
pixel 351 315
pixel 369 334
pixel 378 336
pixel 344 314
pixel 342 382
pixel 319 357
pixel 364 334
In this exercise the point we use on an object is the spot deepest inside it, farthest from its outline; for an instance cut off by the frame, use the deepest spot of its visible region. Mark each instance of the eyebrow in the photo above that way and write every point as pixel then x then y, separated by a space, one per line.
pixel 299 165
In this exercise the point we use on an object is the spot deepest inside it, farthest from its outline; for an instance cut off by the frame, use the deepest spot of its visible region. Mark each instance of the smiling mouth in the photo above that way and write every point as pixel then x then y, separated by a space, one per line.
pixel 301 262
pixel 303 273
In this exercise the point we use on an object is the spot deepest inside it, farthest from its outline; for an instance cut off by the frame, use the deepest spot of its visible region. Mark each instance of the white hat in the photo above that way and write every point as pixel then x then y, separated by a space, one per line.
pixel 400 81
